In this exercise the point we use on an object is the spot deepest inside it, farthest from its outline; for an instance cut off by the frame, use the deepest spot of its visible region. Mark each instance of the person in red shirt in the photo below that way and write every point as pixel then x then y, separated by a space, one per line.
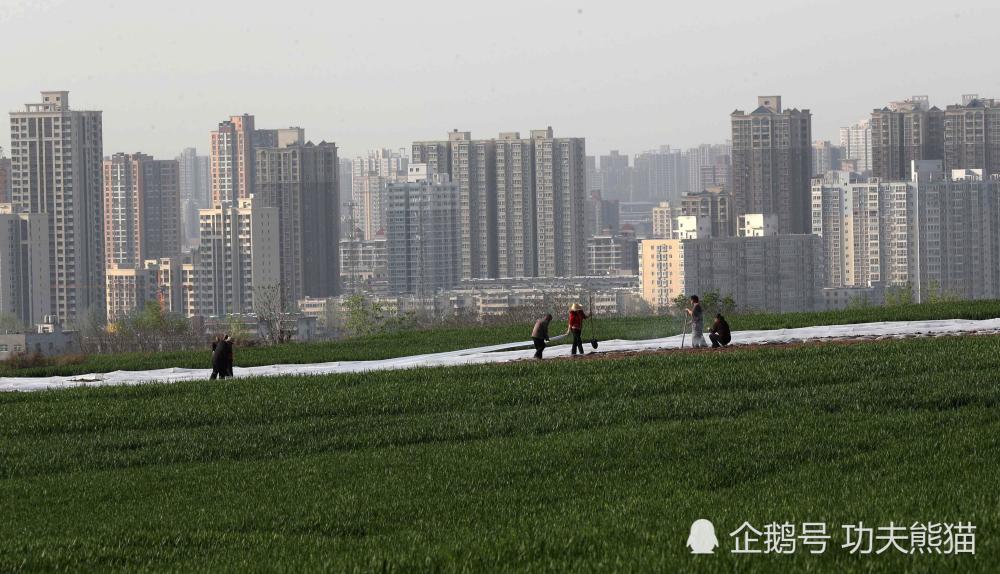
pixel 576 317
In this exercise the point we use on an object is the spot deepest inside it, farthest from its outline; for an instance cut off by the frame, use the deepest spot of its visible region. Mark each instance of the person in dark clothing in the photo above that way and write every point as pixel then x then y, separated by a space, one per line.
pixel 219 369
pixel 540 334
pixel 576 317
pixel 720 334
pixel 229 355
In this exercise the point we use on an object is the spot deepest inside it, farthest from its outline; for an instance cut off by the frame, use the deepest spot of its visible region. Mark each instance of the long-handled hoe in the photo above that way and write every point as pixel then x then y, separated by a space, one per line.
pixel 684 330
pixel 593 324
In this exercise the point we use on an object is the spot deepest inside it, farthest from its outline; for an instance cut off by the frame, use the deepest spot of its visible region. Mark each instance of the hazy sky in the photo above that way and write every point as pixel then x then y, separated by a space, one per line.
pixel 625 75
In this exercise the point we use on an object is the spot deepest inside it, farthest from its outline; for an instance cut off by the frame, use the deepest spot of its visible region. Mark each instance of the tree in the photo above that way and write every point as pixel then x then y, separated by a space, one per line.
pixel 728 305
pixel 269 307
pixel 899 295
pixel 680 303
pixel 364 317
pixel 236 328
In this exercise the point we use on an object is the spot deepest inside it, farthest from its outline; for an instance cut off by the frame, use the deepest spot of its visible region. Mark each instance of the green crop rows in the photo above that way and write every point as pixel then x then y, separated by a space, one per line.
pixel 554 466
pixel 419 342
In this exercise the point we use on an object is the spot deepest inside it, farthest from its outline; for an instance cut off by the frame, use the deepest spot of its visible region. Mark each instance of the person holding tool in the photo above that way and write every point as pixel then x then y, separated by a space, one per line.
pixel 697 323
pixel 576 317
pixel 540 334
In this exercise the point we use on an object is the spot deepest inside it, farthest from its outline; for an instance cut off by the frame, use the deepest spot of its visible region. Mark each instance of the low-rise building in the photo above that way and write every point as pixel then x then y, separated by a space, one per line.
pixel 779 273
pixel 48 338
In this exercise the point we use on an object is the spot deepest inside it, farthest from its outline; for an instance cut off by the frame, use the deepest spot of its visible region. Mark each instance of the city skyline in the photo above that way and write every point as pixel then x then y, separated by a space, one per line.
pixel 345 86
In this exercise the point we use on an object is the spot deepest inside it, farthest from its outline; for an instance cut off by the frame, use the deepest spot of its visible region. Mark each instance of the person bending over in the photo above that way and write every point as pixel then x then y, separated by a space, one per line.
pixel 720 335
pixel 540 334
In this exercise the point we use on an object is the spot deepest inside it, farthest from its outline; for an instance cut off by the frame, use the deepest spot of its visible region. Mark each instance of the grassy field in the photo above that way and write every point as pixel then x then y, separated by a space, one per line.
pixel 591 465
pixel 437 340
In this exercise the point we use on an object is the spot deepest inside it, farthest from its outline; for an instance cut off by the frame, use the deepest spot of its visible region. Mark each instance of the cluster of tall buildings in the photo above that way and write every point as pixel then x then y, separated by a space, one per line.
pixel 962 136
pixel 906 197
pixel 103 234
pixel 509 206
pixel 658 175
pixel 908 200
pixel 937 233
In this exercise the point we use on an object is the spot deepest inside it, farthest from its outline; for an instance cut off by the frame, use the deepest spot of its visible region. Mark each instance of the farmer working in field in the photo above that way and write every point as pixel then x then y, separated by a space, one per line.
pixel 576 317
pixel 540 334
pixel 697 323
pixel 222 357
pixel 720 335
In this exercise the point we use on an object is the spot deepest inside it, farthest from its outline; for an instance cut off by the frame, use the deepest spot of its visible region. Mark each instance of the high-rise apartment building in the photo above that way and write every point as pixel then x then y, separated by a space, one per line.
pixel 612 255
pixel 715 204
pixel 934 234
pixel 660 175
pixel 238 253
pixel 772 163
pixel 422 233
pixel 708 165
pixel 370 176
pixel 195 189
pixel 123 219
pixel 56 155
pixel 560 193
pixel 364 265
pixel 616 176
pixel 142 215
pixel 712 208
pixel 195 178
pixel 904 132
pixel 391 164
pixel 593 176
pixel 368 205
pixel 278 138
pixel 472 167
pixel 826 157
pixel 602 215
pixel 868 230
pixel 347 226
pixel 663 217
pixel 232 160
pixel 189 296
pixel 302 183
pixel 125 291
pixel 25 292
pixel 162 230
pixel 856 141
pixel 500 199
pixel 972 135
pixel 435 154
pixel 473 170
pixel 516 217
pixel 5 180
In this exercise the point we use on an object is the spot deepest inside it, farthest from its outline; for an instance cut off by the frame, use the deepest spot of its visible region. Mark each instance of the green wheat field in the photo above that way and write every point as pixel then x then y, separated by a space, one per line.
pixel 552 466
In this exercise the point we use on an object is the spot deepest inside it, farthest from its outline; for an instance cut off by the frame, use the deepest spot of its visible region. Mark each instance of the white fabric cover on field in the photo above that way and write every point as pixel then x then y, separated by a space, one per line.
pixel 504 353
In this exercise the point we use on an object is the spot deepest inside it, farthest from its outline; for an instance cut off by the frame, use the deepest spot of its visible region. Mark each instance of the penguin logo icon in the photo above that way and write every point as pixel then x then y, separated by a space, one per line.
pixel 702 539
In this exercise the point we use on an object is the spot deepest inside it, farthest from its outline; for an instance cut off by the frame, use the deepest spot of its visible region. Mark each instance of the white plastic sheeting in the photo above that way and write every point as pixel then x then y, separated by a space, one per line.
pixel 503 353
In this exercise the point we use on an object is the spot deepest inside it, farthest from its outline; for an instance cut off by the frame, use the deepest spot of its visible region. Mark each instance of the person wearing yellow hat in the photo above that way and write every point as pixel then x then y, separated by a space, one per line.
pixel 576 317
